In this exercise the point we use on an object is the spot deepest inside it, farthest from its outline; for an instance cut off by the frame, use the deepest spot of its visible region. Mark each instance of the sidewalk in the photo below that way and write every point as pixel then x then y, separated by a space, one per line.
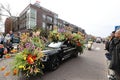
pixel 7 63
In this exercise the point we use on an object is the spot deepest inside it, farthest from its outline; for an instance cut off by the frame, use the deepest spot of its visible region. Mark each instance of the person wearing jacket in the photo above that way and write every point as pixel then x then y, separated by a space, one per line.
pixel 110 43
pixel 8 45
pixel 115 61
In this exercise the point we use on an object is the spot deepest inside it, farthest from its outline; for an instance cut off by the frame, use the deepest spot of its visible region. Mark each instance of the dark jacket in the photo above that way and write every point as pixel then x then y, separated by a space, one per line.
pixel 109 45
pixel 112 44
pixel 115 62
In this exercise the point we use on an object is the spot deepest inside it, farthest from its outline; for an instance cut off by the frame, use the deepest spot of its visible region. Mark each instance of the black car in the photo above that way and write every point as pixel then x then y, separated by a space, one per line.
pixel 55 53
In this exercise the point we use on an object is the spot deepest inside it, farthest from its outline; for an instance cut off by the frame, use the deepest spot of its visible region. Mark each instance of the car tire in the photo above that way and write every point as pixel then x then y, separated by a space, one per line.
pixel 55 63
pixel 75 54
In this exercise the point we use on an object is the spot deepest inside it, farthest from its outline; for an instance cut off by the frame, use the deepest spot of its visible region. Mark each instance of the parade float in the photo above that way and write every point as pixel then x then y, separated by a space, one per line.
pixel 28 57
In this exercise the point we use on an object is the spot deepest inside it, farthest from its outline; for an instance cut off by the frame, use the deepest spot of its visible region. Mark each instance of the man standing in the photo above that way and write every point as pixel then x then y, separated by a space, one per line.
pixel 115 62
pixel 109 46
pixel 11 35
pixel 110 43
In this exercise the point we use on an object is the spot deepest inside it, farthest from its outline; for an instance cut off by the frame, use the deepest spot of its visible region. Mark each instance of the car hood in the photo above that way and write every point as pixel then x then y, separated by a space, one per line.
pixel 50 51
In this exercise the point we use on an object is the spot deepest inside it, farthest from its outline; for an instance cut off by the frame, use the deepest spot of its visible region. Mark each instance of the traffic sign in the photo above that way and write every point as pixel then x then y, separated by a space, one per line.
pixel 117 27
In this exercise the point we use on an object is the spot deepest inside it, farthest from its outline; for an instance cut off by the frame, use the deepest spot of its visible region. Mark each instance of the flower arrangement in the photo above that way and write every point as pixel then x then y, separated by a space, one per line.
pixel 79 42
pixel 28 60
pixel 55 36
pixel 76 39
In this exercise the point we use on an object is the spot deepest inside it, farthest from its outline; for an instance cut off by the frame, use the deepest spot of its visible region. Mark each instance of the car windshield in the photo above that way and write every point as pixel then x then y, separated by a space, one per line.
pixel 55 45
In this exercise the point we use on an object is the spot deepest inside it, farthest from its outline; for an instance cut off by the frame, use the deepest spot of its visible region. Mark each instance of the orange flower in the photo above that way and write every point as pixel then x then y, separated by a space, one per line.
pixel 34 57
pixel 3 68
pixel 7 73
pixel 15 71
pixel 78 44
pixel 13 51
pixel 7 56
pixel 30 59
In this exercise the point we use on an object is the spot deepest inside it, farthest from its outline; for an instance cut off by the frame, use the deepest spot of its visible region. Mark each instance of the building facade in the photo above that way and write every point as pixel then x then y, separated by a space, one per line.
pixel 36 16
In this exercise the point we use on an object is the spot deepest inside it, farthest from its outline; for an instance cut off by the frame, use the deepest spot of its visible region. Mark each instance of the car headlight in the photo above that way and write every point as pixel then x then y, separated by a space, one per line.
pixel 44 58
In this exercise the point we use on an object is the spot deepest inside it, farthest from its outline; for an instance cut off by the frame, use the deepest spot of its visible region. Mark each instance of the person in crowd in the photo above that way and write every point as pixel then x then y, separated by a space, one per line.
pixel 16 38
pixel 110 43
pixel 1 51
pixel 115 61
pixel 11 35
pixel 109 46
pixel 8 45
pixel 7 37
pixel 1 38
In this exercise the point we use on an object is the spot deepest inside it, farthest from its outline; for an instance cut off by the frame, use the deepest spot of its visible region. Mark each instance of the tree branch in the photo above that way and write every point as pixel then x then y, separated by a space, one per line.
pixel 7 9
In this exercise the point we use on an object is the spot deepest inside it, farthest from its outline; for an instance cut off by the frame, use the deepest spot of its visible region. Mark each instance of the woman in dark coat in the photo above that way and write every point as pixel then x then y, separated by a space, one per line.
pixel 115 62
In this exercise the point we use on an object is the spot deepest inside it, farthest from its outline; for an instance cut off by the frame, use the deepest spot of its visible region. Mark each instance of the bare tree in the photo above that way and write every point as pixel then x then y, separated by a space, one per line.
pixel 6 9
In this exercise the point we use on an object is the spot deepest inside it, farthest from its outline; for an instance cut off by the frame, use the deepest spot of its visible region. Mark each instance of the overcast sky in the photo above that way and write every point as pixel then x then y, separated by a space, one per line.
pixel 97 17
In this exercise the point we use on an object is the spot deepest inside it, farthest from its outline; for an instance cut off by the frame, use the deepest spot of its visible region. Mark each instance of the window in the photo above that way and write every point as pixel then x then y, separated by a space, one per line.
pixel 31 18
pixel 44 17
pixel 43 25
pixel 33 13
pixel 55 21
pixel 50 19
pixel 32 23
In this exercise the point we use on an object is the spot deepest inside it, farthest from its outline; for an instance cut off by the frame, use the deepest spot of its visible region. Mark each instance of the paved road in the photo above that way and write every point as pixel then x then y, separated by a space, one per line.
pixel 89 66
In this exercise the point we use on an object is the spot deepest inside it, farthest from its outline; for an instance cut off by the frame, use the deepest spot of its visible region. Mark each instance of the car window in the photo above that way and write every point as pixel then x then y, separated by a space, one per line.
pixel 55 45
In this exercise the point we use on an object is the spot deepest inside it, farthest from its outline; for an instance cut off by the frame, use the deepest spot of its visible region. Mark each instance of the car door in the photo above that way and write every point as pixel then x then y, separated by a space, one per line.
pixel 66 51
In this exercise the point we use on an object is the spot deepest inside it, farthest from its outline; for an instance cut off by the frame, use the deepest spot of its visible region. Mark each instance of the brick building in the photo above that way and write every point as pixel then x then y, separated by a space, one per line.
pixel 35 15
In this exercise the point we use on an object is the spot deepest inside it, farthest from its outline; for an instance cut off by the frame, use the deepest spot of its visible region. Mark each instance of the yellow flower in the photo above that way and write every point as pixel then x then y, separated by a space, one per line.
pixel 24 58
pixel 36 70
pixel 28 68
pixel 21 67
pixel 43 66
pixel 24 68
pixel 41 55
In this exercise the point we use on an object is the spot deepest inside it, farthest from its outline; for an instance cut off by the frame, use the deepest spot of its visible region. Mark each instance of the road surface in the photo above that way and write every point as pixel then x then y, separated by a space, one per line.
pixel 91 65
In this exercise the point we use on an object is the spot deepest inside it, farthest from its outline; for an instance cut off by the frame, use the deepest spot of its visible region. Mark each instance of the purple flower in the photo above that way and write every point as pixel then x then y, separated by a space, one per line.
pixel 28 45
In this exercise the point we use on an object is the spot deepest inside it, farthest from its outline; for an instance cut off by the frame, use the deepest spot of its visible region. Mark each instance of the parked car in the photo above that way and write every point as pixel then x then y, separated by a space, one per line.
pixel 98 40
pixel 55 53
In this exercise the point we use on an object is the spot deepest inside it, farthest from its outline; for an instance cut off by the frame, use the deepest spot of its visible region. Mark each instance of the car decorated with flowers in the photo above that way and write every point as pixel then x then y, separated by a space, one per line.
pixel 34 53
pixel 56 52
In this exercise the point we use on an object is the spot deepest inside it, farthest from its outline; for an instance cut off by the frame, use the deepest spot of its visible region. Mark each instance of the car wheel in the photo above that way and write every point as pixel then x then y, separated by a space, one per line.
pixel 75 54
pixel 55 62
